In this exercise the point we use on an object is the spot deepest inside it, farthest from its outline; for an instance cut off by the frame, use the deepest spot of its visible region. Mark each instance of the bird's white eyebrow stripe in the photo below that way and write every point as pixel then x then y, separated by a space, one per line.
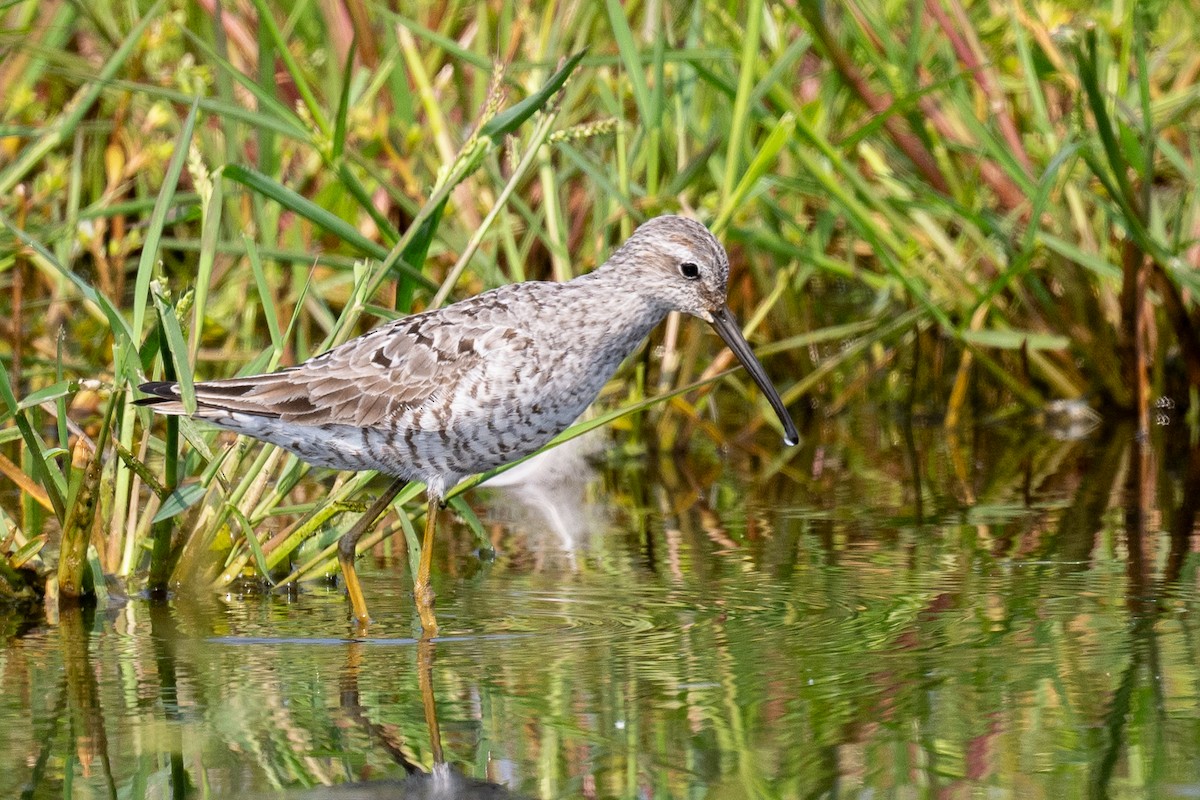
pixel 683 253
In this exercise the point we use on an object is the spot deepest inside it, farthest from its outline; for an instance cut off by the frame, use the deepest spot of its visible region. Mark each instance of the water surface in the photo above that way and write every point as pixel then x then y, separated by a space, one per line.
pixel 888 611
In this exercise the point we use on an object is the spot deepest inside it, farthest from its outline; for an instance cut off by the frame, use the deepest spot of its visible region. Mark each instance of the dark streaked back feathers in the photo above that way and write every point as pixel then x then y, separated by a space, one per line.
pixel 370 380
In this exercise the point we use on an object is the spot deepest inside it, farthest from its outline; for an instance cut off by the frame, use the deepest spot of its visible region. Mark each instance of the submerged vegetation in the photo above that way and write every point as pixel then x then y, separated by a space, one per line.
pixel 975 209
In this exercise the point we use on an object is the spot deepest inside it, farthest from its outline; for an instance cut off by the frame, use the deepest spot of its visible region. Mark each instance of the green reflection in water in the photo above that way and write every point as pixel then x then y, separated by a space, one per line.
pixel 1022 627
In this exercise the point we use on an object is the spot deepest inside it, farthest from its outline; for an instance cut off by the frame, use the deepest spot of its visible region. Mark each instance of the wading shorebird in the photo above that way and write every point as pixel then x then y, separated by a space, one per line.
pixel 449 393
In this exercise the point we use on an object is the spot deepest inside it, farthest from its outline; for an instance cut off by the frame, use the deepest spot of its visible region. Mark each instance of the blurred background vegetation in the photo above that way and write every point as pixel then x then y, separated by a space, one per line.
pixel 963 209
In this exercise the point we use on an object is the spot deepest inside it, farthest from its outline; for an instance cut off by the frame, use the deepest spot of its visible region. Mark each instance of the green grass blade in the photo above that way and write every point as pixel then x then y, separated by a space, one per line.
pixel 445 44
pixel 630 55
pixel 176 348
pixel 55 391
pixel 260 559
pixel 158 219
pixel 281 120
pixel 351 183
pixel 1102 267
pixel 179 501
pixel 751 42
pixel 1015 340
pixel 343 109
pixel 210 232
pixel 414 254
pixel 764 160
pixel 472 521
pixel 304 207
pixel 270 113
pixel 265 297
pixel 267 22
pixel 46 472
pixel 510 119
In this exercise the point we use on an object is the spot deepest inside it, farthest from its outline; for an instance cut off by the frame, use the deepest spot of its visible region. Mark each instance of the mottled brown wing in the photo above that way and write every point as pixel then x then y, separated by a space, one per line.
pixel 367 381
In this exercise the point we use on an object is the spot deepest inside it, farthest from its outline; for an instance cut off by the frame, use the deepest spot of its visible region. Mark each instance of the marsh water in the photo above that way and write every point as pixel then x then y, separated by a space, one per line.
pixel 889 611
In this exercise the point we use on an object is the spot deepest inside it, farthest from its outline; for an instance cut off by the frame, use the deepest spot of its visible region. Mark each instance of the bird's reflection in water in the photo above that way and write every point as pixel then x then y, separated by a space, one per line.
pixel 545 498
pixel 543 501
pixel 442 782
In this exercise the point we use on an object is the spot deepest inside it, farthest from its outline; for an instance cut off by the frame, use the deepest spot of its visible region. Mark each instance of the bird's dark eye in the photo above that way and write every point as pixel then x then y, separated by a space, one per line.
pixel 689 270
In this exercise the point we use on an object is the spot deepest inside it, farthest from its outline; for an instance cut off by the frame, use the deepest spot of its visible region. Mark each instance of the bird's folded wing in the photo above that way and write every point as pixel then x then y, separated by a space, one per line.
pixel 366 382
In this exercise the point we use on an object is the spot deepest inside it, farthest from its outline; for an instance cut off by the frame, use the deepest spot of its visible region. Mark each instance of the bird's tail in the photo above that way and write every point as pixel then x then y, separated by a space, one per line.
pixel 219 396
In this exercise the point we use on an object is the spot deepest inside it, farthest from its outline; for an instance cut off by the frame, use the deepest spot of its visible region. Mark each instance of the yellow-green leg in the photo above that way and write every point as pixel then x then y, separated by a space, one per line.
pixel 348 543
pixel 422 589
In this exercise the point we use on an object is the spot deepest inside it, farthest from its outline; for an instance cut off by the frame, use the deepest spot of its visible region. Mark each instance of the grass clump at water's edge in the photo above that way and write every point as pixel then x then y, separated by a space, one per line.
pixel 998 204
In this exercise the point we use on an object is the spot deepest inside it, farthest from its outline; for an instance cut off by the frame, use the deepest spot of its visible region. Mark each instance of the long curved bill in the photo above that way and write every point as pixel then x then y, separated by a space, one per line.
pixel 727 327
